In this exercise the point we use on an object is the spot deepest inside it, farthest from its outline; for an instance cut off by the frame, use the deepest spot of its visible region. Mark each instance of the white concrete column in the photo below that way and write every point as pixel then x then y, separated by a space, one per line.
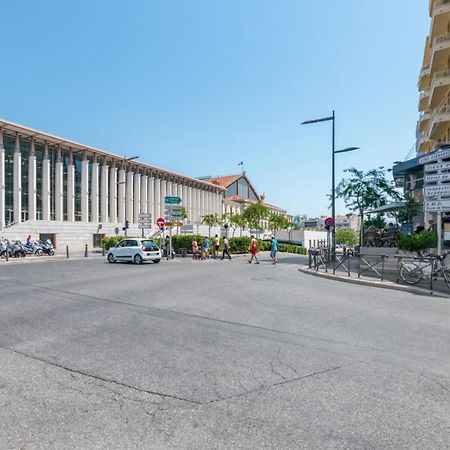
pixel 129 196
pixel 150 196
pixel 95 197
pixel 84 189
pixel 185 200
pixel 2 182
pixel 104 191
pixel 59 196
pixel 210 202
pixel 180 191
pixel 163 194
pixel 144 191
pixel 113 193
pixel 157 198
pixel 137 197
pixel 71 189
pixel 198 204
pixel 189 207
pixel 122 194
pixel 17 182
pixel 45 195
pixel 32 187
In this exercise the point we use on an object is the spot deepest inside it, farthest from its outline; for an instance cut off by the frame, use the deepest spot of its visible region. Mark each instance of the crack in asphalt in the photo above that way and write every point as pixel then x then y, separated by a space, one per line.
pixel 285 381
pixel 97 377
pixel 223 321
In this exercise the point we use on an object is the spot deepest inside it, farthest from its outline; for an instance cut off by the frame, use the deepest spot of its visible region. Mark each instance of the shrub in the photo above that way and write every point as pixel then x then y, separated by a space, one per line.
pixel 417 242
pixel 111 241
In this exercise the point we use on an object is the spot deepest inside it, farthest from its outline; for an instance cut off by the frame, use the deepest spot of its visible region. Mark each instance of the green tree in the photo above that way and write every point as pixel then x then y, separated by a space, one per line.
pixel 363 191
pixel 346 236
pixel 211 220
pixel 254 214
pixel 277 222
pixel 409 211
pixel 237 221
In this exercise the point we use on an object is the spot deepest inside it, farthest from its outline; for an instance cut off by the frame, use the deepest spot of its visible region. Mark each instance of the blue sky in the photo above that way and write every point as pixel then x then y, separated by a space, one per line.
pixel 198 86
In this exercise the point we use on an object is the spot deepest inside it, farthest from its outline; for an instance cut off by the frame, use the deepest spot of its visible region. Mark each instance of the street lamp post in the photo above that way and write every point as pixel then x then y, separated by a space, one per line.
pixel 332 118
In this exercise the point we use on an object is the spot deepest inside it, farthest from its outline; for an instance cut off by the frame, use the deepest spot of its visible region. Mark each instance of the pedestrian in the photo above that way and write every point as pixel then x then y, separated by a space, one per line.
pixel 253 250
pixel 29 240
pixel 274 249
pixel 216 245
pixel 194 249
pixel 226 248
pixel 207 244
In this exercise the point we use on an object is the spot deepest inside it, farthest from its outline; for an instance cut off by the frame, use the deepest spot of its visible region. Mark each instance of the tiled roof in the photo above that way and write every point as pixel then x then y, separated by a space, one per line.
pixel 224 181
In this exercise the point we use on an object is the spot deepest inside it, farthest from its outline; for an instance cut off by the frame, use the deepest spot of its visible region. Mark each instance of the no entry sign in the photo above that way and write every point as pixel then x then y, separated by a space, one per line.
pixel 160 222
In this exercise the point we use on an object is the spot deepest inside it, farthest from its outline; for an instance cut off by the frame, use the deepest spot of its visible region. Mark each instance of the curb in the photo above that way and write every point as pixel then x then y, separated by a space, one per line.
pixel 377 284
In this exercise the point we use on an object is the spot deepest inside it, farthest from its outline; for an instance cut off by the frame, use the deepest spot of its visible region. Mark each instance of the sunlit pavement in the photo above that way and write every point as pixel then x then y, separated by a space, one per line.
pixel 217 354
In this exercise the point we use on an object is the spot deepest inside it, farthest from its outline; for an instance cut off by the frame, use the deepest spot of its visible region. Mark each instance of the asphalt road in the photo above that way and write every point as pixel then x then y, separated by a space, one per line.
pixel 217 355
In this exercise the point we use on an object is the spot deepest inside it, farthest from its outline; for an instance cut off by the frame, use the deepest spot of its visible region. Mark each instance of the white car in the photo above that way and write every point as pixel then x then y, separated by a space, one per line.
pixel 136 250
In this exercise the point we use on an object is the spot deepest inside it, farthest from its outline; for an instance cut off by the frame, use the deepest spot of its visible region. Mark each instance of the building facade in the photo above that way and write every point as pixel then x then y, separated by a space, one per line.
pixel 239 193
pixel 433 127
pixel 49 183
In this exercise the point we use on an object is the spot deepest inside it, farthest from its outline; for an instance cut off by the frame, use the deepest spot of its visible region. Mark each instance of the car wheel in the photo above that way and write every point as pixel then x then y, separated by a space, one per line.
pixel 156 261
pixel 111 258
pixel 138 259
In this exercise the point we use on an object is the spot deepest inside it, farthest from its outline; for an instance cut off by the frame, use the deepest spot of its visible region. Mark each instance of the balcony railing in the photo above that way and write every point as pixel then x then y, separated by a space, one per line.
pixel 441 73
pixel 438 3
pixel 441 39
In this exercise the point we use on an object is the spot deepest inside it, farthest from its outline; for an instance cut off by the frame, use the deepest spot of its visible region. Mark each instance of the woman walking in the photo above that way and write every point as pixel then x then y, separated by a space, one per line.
pixel 253 250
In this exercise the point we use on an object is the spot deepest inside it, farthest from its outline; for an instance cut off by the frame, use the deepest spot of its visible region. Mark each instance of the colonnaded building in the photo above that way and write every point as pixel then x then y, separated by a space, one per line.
pixel 74 194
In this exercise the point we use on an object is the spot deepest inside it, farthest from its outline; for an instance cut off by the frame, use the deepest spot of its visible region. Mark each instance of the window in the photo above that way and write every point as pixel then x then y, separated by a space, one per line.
pixel 243 188
pixel 232 189
pixel 149 246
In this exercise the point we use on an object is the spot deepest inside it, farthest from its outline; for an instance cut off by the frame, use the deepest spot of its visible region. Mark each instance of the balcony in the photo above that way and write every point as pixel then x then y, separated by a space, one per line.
pixel 423 144
pixel 439 123
pixel 424 122
pixel 439 17
pixel 440 52
pixel 424 79
pixel 424 100
pixel 439 87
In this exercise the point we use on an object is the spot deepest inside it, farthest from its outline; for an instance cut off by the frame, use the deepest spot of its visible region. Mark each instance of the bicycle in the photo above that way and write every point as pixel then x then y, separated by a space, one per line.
pixel 416 271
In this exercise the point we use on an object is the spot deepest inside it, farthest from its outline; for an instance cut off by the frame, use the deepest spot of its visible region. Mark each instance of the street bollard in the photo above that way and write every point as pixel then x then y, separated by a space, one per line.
pixel 86 251
pixel 7 254
pixel 67 251
pixel 103 250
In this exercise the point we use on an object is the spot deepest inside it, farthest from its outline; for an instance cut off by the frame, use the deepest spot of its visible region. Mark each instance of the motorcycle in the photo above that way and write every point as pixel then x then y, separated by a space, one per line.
pixel 33 248
pixel 47 248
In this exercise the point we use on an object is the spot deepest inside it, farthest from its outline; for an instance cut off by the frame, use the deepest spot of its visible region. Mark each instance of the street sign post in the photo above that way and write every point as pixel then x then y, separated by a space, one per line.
pixel 437 177
pixel 161 222
pixel 436 156
pixel 436 166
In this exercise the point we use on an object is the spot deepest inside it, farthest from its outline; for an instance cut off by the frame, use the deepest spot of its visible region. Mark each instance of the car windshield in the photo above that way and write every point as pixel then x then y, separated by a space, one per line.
pixel 149 246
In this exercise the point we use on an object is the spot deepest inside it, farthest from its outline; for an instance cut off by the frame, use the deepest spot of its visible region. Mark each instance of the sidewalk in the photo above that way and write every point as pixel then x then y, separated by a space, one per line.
pixel 391 279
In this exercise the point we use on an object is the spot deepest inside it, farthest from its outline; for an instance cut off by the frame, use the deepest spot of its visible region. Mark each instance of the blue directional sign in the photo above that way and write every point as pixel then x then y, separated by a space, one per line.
pixel 172 200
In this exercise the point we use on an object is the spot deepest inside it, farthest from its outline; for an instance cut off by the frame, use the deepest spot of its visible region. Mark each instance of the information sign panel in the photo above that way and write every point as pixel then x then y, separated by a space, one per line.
pixel 434 178
pixel 442 190
pixel 171 200
pixel 440 154
pixel 437 205
pixel 436 166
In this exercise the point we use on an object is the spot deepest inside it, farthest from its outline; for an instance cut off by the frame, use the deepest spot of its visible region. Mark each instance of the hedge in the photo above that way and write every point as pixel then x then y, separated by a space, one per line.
pixel 238 245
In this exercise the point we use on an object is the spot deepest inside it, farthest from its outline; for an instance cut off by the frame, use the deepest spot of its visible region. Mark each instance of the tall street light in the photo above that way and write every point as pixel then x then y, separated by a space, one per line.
pixel 332 118
pixel 125 160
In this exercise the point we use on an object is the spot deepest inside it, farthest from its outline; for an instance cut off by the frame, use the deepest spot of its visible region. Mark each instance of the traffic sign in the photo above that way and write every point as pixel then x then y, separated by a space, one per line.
pixel 436 156
pixel 172 200
pixel 144 226
pixel 437 205
pixel 329 222
pixel 145 216
pixel 442 190
pixel 436 166
pixel 435 177
pixel 160 222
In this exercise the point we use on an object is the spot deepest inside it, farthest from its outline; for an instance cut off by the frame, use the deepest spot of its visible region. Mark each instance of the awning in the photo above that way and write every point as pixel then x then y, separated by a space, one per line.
pixel 389 207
